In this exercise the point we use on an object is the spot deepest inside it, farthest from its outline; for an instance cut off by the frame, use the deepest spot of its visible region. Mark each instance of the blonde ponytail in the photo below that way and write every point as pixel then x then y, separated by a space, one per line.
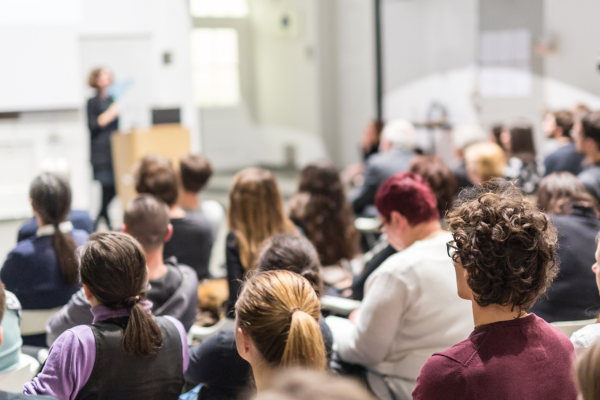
pixel 280 310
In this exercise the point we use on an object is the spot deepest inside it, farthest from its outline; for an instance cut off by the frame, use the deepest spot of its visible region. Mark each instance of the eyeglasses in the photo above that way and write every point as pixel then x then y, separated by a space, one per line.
pixel 451 248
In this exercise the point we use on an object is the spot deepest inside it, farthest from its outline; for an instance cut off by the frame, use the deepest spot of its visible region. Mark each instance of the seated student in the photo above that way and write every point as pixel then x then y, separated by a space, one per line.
pixel 485 161
pixel 79 218
pixel 296 384
pixel 194 173
pixel 255 214
pixel 586 336
pixel 173 287
pixel 574 213
pixel 216 363
pixel 504 254
pixel 10 340
pixel 587 373
pixel 42 271
pixel 565 158
pixel 277 325
pixel 523 165
pixel 441 180
pixel 464 136
pixel 410 304
pixel 587 142
pixel 192 237
pixel 126 353
pixel 320 208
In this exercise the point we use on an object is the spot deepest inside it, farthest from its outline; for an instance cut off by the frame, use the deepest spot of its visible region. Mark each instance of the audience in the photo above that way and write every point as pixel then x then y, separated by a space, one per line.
pixel 410 304
pixel 126 353
pixel 396 151
pixel 503 250
pixel 42 270
pixel 485 161
pixel 194 173
pixel 216 363
pixel 587 142
pixel 294 384
pixel 192 237
pixel 173 287
pixel 574 213
pixel 10 342
pixel 586 336
pixel 255 214
pixel 277 325
pixel 320 209
pixel 441 181
pixel 587 374
pixel 523 167
pixel 558 126
pixel 495 132
pixel 464 136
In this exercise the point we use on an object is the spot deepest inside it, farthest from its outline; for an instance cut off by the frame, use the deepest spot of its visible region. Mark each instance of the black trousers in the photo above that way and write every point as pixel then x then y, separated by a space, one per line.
pixel 108 193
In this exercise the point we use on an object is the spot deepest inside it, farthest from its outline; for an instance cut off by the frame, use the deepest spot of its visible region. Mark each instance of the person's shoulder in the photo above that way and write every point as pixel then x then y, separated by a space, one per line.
pixel 189 274
pixel 80 236
pixel 444 373
pixel 195 222
pixel 553 334
pixel 25 247
pixel 585 336
pixel 590 175
pixel 12 303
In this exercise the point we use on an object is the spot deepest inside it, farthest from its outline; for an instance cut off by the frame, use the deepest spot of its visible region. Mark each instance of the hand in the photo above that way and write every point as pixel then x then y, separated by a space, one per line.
pixel 109 115
pixel 353 315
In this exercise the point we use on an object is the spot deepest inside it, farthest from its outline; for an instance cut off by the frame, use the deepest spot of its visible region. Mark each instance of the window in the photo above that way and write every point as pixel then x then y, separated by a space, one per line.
pixel 219 8
pixel 215 66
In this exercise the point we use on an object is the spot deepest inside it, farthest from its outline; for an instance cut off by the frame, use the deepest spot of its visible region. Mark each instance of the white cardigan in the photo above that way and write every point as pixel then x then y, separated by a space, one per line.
pixel 411 309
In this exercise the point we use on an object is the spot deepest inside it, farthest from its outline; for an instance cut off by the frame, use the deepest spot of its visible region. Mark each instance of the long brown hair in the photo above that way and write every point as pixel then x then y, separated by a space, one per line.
pixel 280 310
pixel 325 214
pixel 255 212
pixel 441 180
pixel 560 192
pixel 587 373
pixel 51 199
pixel 113 267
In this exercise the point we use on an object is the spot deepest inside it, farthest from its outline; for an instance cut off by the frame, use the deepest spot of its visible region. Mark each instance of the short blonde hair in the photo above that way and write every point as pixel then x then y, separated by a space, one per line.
pixel 488 159
pixel 93 78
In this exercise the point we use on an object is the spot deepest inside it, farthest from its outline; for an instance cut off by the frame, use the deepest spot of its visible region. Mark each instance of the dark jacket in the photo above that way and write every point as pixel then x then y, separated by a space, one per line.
pixel 235 272
pixel 81 220
pixel 590 177
pixel 573 295
pixel 565 159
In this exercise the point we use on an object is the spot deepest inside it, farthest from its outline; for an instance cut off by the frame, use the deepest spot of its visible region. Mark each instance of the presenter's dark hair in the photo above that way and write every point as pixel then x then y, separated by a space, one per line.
pixel 113 267
pixel 51 199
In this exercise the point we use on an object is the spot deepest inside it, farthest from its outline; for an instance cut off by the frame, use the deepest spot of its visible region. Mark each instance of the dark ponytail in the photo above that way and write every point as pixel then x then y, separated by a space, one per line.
pixel 51 199
pixel 113 267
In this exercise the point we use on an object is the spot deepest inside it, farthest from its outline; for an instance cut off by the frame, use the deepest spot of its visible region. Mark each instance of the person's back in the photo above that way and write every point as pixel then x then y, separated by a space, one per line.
pixel 79 218
pixel 191 242
pixel 565 159
pixel 520 359
pixel 10 349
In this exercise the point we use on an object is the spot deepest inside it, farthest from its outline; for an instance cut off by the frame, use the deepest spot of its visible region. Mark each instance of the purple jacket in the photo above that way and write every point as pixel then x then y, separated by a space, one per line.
pixel 71 358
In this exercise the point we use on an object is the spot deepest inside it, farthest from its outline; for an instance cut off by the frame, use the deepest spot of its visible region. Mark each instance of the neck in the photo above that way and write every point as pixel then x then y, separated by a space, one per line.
pixel 102 93
pixel 175 211
pixel 188 200
pixel 154 261
pixel 593 158
pixel 563 141
pixel 423 231
pixel 262 376
pixel 494 313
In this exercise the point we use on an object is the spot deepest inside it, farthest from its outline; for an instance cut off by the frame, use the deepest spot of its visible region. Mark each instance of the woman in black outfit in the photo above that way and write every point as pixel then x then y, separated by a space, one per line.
pixel 103 120
pixel 573 295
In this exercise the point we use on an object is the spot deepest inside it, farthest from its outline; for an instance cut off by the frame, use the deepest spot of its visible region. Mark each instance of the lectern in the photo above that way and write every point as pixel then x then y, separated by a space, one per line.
pixel 169 140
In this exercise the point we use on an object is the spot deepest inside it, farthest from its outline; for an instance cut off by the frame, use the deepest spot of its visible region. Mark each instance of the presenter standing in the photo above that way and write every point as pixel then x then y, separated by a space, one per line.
pixel 103 120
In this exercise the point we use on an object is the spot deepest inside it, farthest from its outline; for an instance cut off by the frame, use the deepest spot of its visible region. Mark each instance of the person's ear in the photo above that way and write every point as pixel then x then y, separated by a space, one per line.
pixel 124 229
pixel 88 294
pixel 169 233
pixel 398 221
pixel 1 335
pixel 243 343
pixel 559 131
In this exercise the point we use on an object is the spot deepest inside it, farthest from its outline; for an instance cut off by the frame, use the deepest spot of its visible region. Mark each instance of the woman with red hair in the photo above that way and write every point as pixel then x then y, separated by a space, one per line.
pixel 410 308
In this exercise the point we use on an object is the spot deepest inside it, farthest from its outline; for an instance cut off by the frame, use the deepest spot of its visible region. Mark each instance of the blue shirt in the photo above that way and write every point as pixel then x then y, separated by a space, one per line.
pixel 80 219
pixel 10 349
pixel 32 273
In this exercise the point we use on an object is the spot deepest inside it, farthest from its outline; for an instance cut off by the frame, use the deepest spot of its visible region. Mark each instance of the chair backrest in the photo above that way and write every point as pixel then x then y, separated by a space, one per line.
pixel 339 305
pixel 33 322
pixel 13 381
pixel 570 327
pixel 201 333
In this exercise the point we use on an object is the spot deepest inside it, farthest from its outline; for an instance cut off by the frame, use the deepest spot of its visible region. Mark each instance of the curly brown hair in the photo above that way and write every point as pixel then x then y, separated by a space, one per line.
pixel 506 244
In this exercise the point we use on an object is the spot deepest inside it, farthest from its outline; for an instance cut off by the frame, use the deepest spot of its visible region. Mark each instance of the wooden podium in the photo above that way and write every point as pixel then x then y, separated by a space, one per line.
pixel 169 140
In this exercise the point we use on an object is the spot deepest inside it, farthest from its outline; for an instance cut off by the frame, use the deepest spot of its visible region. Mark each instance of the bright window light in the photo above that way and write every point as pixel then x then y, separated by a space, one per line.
pixel 219 8
pixel 215 67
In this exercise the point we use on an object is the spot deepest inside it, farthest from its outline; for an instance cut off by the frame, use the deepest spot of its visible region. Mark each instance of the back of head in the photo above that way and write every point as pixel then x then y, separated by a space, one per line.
pixel 590 127
pixel 113 267
pixel 488 159
pixel 147 220
pixel 279 310
pixel 154 174
pixel 559 193
pixel 410 195
pixel 195 171
pixel 465 135
pixel 505 243
pixel 51 199
pixel 401 134
pixel 255 211
pixel 293 253
pixel 297 384
pixel 564 120
pixel 587 371
pixel 440 179
pixel 521 141
pixel 328 218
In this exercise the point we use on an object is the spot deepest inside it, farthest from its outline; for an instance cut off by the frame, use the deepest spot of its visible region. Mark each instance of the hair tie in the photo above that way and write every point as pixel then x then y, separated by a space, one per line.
pixel 293 310
pixel 131 301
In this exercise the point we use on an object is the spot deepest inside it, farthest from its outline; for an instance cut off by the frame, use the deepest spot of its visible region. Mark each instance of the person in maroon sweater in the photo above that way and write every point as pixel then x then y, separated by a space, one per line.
pixel 504 253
